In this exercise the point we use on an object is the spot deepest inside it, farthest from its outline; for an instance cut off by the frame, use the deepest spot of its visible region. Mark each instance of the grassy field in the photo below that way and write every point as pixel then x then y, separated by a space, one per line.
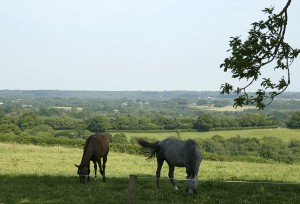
pixel 35 174
pixel 282 133
pixel 223 109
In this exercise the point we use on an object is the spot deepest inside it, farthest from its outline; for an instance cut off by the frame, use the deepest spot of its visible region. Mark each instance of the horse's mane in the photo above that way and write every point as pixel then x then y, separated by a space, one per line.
pixel 87 141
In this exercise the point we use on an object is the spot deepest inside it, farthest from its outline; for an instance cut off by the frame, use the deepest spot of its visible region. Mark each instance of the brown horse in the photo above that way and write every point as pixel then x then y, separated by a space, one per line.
pixel 96 147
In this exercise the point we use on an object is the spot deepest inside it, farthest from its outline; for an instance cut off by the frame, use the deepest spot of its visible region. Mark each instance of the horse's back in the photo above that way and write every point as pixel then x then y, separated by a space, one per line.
pixel 100 144
pixel 178 153
pixel 101 138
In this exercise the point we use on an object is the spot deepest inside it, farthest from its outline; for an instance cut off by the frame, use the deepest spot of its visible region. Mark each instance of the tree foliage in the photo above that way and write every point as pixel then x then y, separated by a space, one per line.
pixel 264 46
pixel 294 121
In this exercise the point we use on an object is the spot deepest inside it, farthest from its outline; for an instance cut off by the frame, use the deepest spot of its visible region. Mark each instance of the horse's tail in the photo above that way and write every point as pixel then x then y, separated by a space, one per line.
pixel 191 158
pixel 149 148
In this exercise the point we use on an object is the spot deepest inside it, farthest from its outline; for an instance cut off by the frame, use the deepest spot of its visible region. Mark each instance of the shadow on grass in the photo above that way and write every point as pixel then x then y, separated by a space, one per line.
pixel 60 189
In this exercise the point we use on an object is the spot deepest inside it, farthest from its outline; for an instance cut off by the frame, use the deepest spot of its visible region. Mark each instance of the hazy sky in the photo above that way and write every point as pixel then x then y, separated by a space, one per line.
pixel 150 45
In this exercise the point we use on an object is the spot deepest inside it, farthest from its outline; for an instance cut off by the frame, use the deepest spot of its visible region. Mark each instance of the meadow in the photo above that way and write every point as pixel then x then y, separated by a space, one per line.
pixel 222 109
pixel 36 174
pixel 284 134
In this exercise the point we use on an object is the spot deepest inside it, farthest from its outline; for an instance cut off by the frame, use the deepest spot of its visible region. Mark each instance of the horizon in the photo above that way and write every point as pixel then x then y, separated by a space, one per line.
pixel 130 91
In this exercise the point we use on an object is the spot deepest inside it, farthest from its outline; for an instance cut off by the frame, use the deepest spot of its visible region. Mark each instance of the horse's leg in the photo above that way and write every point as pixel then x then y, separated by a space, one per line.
pixel 171 176
pixel 103 170
pixel 95 168
pixel 159 166
pixel 88 176
pixel 191 181
pixel 100 167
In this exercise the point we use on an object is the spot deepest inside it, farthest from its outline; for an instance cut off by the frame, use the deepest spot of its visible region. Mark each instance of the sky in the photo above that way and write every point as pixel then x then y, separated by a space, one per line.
pixel 118 45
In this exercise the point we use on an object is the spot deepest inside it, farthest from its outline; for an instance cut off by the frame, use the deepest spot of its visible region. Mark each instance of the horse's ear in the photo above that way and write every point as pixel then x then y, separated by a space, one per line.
pixel 76 165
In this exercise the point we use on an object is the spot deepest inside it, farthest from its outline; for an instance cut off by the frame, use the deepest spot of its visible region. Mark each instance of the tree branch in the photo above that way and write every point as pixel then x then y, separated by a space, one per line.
pixel 264 45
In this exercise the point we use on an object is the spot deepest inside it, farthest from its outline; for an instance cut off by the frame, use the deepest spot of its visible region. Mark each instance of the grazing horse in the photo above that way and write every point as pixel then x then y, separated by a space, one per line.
pixel 176 153
pixel 95 147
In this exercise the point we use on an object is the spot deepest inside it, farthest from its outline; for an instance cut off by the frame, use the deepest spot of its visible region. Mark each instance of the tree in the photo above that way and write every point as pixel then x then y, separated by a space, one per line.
pixel 28 120
pixel 120 138
pixel 97 123
pixel 264 46
pixel 62 123
pixel 204 122
pixel 8 128
pixel 294 121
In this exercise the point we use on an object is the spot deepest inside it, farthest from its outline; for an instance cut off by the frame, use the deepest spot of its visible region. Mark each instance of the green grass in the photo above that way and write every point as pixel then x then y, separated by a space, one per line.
pixel 67 108
pixel 282 133
pixel 222 109
pixel 34 174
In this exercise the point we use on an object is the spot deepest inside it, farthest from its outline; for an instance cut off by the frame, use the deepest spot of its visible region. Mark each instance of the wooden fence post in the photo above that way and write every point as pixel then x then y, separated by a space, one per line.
pixel 131 185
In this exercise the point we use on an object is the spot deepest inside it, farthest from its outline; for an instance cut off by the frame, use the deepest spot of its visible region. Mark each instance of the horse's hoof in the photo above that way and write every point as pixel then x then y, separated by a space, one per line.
pixel 190 191
pixel 176 188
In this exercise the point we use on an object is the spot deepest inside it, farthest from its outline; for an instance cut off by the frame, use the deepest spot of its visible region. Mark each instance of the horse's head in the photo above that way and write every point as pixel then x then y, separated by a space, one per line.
pixel 191 184
pixel 83 173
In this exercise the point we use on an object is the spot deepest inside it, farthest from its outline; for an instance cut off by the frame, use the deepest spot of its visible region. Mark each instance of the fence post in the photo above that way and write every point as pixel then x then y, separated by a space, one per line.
pixel 131 185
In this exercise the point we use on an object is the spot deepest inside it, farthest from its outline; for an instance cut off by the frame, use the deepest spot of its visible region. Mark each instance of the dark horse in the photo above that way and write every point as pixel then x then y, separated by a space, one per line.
pixel 95 147
pixel 176 153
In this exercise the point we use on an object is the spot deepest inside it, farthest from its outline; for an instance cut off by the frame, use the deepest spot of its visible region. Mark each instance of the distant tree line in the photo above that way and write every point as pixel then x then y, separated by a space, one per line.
pixel 101 123
pixel 58 115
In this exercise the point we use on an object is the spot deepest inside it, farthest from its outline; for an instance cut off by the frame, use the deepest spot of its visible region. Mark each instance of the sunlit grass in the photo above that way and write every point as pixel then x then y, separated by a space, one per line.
pixel 223 109
pixel 282 133
pixel 29 159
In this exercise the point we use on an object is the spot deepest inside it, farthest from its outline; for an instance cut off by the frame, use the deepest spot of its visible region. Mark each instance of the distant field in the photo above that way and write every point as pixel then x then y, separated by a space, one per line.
pixel 225 108
pixel 67 108
pixel 282 133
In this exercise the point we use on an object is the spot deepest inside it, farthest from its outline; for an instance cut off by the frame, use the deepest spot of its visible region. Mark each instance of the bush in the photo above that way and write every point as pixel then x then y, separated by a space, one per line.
pixel 294 121
pixel 120 138
pixel 294 145
pixel 216 144
pixel 8 137
pixel 274 148
pixel 9 128
pixel 42 128
pixel 125 148
pixel 250 149
pixel 65 133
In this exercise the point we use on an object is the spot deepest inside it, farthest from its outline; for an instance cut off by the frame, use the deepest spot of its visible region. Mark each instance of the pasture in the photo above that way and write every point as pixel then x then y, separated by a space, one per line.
pixel 35 174
pixel 283 133
pixel 222 109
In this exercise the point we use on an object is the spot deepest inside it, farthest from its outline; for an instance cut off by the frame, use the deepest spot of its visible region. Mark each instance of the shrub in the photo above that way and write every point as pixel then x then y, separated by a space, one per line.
pixel 216 144
pixel 276 149
pixel 9 128
pixel 42 128
pixel 125 148
pixel 294 121
pixel 120 138
pixel 294 145
pixel 8 137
